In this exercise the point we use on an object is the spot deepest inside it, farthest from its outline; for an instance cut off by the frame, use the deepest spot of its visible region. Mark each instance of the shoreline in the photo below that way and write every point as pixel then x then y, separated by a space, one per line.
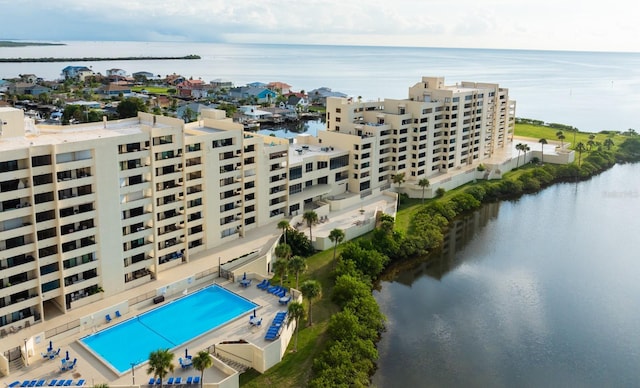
pixel 94 59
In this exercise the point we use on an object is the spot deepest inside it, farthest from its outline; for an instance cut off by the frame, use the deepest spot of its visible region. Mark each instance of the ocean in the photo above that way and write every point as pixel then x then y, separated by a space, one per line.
pixel 592 91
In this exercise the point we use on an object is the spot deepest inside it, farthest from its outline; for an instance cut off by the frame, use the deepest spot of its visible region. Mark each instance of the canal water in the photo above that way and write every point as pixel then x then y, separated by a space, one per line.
pixel 542 291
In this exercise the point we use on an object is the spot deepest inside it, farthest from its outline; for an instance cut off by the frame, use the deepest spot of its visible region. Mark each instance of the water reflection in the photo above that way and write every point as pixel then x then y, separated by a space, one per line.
pixel 291 130
pixel 440 262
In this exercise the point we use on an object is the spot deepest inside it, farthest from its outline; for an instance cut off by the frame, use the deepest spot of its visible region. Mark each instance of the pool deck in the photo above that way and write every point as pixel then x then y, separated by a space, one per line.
pixel 94 371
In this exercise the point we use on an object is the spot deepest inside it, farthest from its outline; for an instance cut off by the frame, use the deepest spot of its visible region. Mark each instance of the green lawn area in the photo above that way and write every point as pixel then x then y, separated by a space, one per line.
pixel 538 132
pixel 151 89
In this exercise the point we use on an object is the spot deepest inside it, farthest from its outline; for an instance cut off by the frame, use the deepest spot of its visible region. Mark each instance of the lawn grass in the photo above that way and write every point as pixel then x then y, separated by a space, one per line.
pixel 538 132
pixel 151 89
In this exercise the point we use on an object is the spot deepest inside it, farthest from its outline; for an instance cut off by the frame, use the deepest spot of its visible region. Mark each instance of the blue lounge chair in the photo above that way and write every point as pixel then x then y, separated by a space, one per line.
pixel 170 381
pixel 196 380
pixel 158 381
pixel 266 285
pixel 80 383
pixel 40 383
pixel 108 318
pixel 60 383
pixel 272 288
pixel 33 383
pixel 262 283
pixel 189 379
pixel 53 383
pixel 152 380
pixel 281 293
pixel 118 314
pixel 68 383
pixel 178 381
pixel 15 384
pixel 285 299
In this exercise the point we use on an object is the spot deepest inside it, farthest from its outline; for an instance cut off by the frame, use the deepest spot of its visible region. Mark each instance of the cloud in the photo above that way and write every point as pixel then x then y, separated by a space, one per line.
pixel 571 24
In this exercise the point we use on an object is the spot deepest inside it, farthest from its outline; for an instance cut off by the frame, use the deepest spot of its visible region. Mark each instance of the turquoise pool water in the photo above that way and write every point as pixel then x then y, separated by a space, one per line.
pixel 166 327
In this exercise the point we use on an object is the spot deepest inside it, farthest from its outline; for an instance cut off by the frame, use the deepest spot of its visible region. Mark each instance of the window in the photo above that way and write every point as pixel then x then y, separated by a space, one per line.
pixel 308 167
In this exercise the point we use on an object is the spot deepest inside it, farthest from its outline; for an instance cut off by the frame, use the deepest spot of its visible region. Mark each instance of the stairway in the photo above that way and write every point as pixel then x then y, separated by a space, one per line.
pixel 16 364
pixel 241 368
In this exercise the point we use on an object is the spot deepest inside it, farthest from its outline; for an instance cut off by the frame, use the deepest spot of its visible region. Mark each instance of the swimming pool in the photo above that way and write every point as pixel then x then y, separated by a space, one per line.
pixel 166 327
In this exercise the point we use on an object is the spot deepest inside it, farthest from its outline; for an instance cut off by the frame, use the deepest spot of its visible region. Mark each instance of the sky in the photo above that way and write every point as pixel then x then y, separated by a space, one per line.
pixel 583 25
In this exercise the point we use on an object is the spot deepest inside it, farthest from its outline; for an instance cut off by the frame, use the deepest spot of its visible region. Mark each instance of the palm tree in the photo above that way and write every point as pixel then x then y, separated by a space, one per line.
pixel 295 311
pixel 283 251
pixel 311 219
pixel 591 141
pixel 297 265
pixel 608 143
pixel 560 136
pixel 519 148
pixel 202 361
pixel 398 179
pixel 424 183
pixel 284 225
pixel 575 131
pixel 160 364
pixel 525 148
pixel 336 236
pixel 280 267
pixel 580 148
pixel 542 142
pixel 311 290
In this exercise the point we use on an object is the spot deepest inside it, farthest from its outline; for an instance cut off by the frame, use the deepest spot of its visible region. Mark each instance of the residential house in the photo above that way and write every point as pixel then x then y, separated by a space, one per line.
pixel 260 95
pixel 174 79
pixel 319 96
pixel 296 102
pixel 76 72
pixel 116 72
pixel 113 89
pixel 187 87
pixel 27 88
pixel 220 84
pixel 142 76
pixel 29 78
pixel 281 87
pixel 191 111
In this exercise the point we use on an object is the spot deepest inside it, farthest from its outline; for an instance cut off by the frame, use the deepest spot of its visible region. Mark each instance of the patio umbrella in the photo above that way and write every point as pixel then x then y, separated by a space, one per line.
pixel 254 313
pixel 50 345
pixel 67 355
pixel 186 353
pixel 244 276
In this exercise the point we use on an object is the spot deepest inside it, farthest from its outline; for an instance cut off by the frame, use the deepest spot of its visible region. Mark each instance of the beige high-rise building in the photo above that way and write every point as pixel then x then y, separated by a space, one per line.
pixel 88 211
pixel 437 130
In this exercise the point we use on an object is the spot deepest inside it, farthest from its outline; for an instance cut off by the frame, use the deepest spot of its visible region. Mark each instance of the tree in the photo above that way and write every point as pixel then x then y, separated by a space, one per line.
pixel 525 148
pixel 560 135
pixel 608 143
pixel 591 141
pixel 580 148
pixel 284 225
pixel 424 183
pixel 280 267
pixel 283 251
pixel 336 236
pixel 311 218
pixel 297 265
pixel 202 361
pixel 311 290
pixel 295 312
pixel 160 364
pixel 519 147
pixel 398 179
pixel 542 142
pixel 130 106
